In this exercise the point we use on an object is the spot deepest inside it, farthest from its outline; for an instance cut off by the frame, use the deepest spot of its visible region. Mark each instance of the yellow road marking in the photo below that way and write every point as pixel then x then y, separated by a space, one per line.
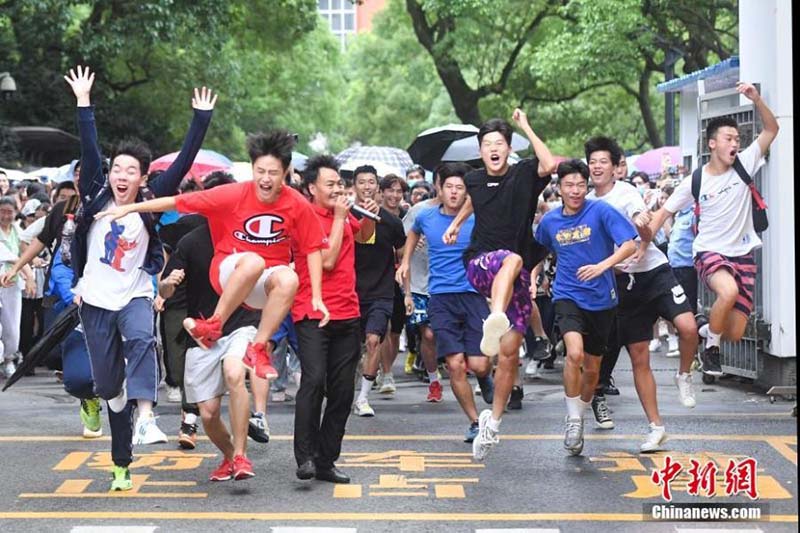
pixel 449 491
pixel 781 445
pixel 73 460
pixel 347 491
pixel 74 486
pixel 352 517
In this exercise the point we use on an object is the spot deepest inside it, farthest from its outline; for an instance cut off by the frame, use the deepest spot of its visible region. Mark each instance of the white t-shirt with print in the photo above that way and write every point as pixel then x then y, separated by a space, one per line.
pixel 626 199
pixel 726 210
pixel 113 275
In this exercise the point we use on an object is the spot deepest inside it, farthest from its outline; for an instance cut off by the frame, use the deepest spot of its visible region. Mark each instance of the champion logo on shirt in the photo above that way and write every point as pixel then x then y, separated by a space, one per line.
pixel 262 229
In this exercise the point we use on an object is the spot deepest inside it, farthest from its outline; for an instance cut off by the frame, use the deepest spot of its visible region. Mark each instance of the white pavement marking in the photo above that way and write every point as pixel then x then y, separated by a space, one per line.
pixel 290 529
pixel 113 529
pixel 522 530
pixel 723 530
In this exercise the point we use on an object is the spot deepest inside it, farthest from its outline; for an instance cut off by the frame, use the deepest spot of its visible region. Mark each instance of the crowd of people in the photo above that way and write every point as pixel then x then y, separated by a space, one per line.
pixel 315 276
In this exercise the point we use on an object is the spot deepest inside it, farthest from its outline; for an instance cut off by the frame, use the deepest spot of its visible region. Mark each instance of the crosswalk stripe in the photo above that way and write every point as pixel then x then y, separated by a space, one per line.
pixel 723 530
pixel 113 529
pixel 520 530
pixel 290 529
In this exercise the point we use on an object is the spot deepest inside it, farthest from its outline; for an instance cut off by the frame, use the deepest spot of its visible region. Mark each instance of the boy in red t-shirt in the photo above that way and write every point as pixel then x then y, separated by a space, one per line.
pixel 254 226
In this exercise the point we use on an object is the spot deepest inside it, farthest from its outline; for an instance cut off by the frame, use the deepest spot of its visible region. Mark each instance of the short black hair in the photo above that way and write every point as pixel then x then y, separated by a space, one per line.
pixel 719 122
pixel 41 196
pixel 421 185
pixel 65 185
pixel 188 184
pixel 137 149
pixel 603 144
pixel 448 170
pixel 415 168
pixel 34 188
pixel 390 179
pixel 277 143
pixel 640 174
pixel 365 169
pixel 217 178
pixel 496 124
pixel 573 166
pixel 313 166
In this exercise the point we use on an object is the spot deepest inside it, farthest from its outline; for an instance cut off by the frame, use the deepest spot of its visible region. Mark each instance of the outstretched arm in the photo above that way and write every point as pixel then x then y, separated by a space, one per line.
pixel 658 219
pixel 156 205
pixel 91 178
pixel 166 184
pixel 547 163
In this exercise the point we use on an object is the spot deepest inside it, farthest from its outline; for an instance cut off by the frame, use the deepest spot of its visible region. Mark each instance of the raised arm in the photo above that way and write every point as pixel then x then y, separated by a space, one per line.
pixel 547 163
pixel 768 119
pixel 91 179
pixel 451 235
pixel 166 184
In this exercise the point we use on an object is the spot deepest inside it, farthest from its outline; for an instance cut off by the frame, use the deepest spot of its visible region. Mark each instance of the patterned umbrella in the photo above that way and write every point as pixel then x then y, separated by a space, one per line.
pixel 206 162
pixel 655 161
pixel 392 157
pixel 453 142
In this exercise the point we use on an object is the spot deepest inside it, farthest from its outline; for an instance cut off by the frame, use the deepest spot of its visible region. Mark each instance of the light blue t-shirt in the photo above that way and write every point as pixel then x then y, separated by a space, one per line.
pixel 447 274
pixel 585 238
pixel 681 238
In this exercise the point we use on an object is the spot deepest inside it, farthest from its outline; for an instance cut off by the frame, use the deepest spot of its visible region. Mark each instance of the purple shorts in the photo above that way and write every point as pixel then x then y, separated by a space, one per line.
pixel 481 272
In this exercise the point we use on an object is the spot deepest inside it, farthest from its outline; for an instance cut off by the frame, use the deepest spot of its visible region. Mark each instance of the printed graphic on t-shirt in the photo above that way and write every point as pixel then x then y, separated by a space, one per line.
pixel 578 234
pixel 262 229
pixel 116 246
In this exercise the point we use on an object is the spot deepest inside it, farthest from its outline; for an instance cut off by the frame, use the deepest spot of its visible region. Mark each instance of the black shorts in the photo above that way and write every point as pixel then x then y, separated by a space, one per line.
pixel 398 311
pixel 375 315
pixel 643 298
pixel 687 277
pixel 595 326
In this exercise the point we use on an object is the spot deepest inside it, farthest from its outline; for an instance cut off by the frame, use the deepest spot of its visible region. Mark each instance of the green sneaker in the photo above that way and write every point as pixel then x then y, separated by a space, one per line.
pixel 90 416
pixel 122 478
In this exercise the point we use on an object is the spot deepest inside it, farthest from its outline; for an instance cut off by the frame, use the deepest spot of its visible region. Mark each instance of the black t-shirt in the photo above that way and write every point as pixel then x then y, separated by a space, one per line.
pixel 170 235
pixel 193 254
pixel 504 209
pixel 376 260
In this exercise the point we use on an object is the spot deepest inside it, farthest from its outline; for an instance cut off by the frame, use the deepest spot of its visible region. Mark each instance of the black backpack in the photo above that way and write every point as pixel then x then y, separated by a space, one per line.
pixel 760 220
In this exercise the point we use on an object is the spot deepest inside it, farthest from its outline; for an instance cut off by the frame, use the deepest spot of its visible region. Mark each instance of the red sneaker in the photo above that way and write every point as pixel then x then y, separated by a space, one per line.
pixel 205 332
pixel 224 471
pixel 435 392
pixel 242 468
pixel 257 357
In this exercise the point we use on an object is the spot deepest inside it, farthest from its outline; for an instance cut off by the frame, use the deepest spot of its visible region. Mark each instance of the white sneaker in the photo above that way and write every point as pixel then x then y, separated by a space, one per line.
pixel 532 369
pixel 477 390
pixel 147 432
pixel 173 395
pixel 118 403
pixel 362 408
pixel 654 439
pixel 685 389
pixel 9 368
pixel 494 327
pixel 388 386
pixel 573 436
pixel 655 345
pixel 486 439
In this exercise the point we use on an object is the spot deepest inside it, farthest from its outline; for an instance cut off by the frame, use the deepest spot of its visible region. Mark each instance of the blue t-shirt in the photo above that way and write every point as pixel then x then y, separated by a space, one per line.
pixel 681 238
pixel 446 267
pixel 585 238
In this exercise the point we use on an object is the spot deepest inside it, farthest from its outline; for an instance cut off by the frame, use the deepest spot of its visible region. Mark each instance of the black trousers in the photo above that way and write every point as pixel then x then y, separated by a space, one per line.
pixel 328 358
pixel 31 323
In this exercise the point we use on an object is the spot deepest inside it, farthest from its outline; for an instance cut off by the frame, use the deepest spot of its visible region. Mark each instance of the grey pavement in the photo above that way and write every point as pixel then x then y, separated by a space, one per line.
pixel 410 469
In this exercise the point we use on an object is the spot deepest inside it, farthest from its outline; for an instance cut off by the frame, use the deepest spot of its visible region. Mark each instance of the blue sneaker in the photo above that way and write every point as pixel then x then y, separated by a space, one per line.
pixel 487 388
pixel 472 432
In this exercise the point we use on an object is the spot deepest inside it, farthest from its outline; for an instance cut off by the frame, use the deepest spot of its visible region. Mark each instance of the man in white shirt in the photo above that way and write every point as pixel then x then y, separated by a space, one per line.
pixel 647 290
pixel 723 248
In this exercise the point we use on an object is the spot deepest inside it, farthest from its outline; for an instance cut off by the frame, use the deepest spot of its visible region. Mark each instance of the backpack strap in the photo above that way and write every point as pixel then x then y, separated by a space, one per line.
pixel 697 176
pixel 745 177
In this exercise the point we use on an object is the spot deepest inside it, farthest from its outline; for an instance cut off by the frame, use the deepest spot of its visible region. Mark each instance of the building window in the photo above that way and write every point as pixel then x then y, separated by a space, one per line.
pixel 341 17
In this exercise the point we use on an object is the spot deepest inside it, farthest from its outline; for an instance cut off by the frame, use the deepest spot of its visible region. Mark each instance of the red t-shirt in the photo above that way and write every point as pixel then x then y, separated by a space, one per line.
pixel 338 284
pixel 240 222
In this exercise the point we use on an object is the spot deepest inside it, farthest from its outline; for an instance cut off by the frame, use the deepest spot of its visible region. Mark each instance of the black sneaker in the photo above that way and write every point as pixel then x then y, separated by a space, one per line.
pixel 601 413
pixel 187 436
pixel 710 361
pixel 541 349
pixel 515 402
pixel 257 428
pixel 609 389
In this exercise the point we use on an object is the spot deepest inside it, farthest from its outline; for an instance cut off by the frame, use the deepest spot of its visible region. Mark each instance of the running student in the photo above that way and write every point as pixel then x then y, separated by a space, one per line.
pixel 329 352
pixel 502 252
pixel 647 290
pixel 582 235
pixel 723 248
pixel 456 309
pixel 254 226
pixel 114 262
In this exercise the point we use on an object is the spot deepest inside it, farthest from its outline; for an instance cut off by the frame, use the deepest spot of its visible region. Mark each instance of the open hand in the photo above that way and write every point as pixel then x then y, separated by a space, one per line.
pixel 115 213
pixel 589 272
pixel 204 99
pixel 81 84
pixel 748 90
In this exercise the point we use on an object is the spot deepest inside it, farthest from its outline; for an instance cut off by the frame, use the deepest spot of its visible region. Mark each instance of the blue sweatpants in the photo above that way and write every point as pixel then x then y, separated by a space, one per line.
pixel 76 366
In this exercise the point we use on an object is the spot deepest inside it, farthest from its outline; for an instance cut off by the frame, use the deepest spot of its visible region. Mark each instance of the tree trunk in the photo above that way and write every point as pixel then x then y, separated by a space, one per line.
pixel 643 98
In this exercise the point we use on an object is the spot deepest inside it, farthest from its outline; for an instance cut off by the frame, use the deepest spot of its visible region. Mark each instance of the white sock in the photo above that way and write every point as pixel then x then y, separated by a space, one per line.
pixel 366 385
pixel 703 331
pixel 575 407
pixel 712 339
pixel 433 376
pixel 493 424
pixel 190 418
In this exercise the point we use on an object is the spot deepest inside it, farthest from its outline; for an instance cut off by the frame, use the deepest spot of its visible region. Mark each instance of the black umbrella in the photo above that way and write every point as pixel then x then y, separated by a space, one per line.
pixel 61 327
pixel 430 145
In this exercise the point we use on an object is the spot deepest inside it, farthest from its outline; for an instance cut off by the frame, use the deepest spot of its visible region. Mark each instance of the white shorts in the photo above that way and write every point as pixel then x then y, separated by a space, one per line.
pixel 203 378
pixel 257 298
